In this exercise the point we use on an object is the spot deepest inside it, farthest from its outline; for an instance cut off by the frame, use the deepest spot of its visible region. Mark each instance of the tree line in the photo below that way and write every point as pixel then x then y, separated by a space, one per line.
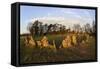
pixel 38 28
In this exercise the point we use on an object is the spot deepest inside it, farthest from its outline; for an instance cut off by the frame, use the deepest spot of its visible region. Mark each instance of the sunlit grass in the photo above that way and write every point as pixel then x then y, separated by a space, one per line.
pixel 85 51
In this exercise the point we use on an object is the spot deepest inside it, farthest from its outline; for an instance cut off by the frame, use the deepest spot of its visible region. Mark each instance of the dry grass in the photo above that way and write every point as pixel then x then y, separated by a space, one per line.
pixel 85 51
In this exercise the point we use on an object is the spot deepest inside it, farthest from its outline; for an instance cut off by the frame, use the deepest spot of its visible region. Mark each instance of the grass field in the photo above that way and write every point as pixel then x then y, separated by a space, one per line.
pixel 85 51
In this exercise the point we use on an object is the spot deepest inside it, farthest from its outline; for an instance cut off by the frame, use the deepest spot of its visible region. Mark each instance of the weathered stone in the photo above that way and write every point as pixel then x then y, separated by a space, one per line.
pixel 74 40
pixel 29 41
pixel 39 43
pixel 66 42
pixel 44 41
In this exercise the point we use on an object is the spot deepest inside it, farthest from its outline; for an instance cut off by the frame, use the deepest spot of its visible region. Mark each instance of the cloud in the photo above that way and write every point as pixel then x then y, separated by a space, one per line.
pixel 52 20
pixel 71 13
pixel 59 20
pixel 49 14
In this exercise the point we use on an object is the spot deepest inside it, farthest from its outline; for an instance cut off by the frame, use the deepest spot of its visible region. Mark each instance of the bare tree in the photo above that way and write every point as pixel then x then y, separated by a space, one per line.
pixel 49 28
pixel 76 27
pixel 31 29
pixel 87 28
pixel 93 27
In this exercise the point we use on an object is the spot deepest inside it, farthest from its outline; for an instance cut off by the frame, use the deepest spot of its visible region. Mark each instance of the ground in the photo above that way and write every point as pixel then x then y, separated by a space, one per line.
pixel 84 51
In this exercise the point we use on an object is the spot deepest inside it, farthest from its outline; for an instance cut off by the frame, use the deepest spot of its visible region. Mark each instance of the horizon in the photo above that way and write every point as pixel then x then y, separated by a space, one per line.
pixel 62 16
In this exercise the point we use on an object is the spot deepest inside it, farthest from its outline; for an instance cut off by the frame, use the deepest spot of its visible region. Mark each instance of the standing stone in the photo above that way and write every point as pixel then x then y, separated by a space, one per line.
pixel 29 41
pixel 74 40
pixel 39 43
pixel 66 42
pixel 45 42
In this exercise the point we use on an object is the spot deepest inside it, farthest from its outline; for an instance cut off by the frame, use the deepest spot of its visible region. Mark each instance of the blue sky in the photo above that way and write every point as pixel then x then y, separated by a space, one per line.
pixel 30 12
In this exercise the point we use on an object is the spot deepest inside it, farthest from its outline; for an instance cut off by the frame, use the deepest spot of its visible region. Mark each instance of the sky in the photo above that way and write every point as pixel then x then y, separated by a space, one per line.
pixel 65 16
